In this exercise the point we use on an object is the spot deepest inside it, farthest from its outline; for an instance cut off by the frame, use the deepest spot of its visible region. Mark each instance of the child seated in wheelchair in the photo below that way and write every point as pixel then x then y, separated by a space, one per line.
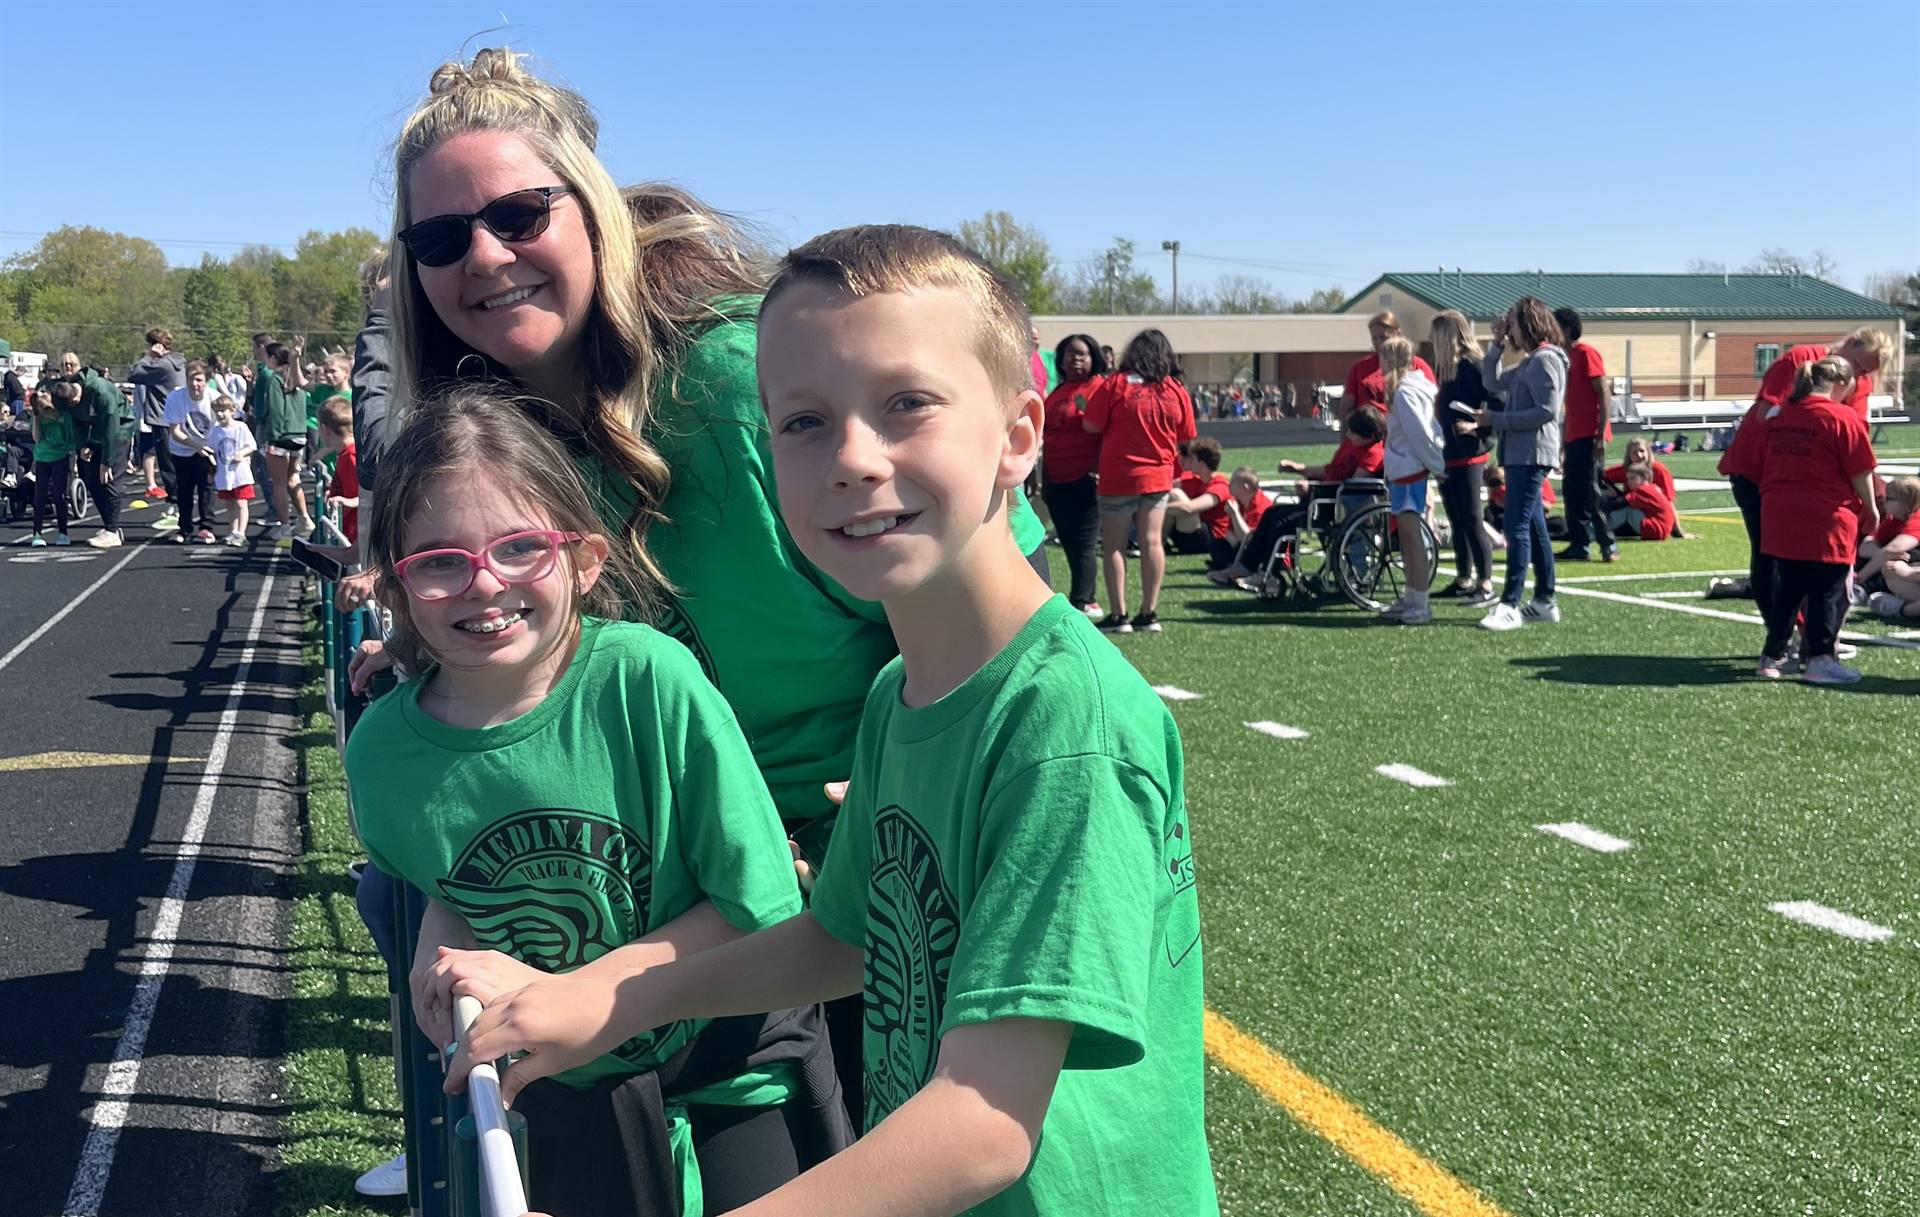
pixel 1359 456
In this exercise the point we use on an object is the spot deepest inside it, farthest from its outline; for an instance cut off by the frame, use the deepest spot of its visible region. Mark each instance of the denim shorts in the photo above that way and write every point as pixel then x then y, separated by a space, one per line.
pixel 1127 504
pixel 1407 496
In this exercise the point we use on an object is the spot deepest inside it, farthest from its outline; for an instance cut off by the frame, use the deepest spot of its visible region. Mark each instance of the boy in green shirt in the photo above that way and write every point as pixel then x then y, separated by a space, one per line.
pixel 1011 883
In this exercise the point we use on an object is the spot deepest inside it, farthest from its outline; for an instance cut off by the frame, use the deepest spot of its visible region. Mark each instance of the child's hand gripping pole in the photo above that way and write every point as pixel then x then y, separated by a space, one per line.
pixel 500 1189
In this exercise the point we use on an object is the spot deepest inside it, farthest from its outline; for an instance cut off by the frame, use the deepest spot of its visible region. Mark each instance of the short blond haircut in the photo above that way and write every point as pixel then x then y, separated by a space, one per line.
pixel 1905 491
pixel 1873 340
pixel 873 258
pixel 336 414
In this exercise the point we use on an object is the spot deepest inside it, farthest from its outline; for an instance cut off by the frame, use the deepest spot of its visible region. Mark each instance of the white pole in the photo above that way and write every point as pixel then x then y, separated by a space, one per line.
pixel 500 1192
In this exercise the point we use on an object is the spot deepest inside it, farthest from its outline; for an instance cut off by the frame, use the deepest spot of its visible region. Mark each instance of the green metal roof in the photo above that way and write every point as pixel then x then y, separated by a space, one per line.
pixel 1634 297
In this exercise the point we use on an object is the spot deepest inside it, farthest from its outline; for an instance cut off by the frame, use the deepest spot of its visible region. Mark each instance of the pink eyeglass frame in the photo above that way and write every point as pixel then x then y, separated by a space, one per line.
pixel 476 561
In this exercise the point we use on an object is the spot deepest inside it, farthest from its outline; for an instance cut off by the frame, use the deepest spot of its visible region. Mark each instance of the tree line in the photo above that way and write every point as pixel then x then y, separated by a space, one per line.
pixel 96 293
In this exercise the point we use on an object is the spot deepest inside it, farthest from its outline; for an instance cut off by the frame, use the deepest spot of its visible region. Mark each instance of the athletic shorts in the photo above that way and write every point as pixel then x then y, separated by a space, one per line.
pixel 289 445
pixel 148 442
pixel 1407 496
pixel 239 494
pixel 1127 504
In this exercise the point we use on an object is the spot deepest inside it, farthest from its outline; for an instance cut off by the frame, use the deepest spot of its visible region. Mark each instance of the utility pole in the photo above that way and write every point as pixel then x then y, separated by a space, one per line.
pixel 1112 263
pixel 1173 247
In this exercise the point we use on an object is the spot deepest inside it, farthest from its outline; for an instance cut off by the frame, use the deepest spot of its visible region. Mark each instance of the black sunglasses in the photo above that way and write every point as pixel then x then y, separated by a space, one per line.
pixel 520 216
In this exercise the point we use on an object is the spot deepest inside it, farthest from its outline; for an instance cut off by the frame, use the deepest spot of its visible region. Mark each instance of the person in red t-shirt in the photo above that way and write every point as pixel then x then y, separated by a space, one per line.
pixel 1889 567
pixel 1141 413
pixel 1366 383
pixel 1361 454
pixel 1068 453
pixel 1583 444
pixel 1816 494
pixel 1743 462
pixel 1614 478
pixel 1649 512
pixel 1197 517
pixel 343 491
pixel 1246 504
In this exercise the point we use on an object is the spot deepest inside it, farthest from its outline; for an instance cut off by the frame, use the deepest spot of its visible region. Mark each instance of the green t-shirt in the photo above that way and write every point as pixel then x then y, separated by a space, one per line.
pixel 274 412
pixel 108 412
pixel 315 395
pixel 56 440
pixel 792 650
pixel 617 804
pixel 1019 849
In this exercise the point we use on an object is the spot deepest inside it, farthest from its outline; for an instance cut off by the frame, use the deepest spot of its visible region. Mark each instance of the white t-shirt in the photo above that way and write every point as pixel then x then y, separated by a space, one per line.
pixel 196 417
pixel 231 446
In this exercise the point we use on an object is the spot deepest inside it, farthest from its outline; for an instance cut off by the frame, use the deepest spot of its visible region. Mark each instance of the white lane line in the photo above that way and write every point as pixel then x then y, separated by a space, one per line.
pixel 1674 595
pixel 72 604
pixel 1582 834
pixel 1819 916
pixel 123 1075
pixel 1175 693
pixel 1410 775
pixel 1875 640
pixel 1277 730
pixel 1650 576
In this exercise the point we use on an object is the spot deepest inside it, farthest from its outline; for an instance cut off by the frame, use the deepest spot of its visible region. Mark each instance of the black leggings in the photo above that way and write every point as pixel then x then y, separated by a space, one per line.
pixel 1822 588
pixel 1460 496
pixel 1746 495
pixel 50 485
pixel 1075 508
pixel 751 1149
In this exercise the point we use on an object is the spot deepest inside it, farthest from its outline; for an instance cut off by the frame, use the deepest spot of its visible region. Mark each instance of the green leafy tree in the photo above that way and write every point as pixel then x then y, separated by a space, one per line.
pixel 1112 284
pixel 93 292
pixel 1018 252
pixel 1321 300
pixel 319 289
pixel 215 315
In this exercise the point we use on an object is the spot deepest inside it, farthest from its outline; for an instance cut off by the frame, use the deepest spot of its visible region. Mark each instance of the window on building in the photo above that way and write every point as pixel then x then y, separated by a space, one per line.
pixel 1764 354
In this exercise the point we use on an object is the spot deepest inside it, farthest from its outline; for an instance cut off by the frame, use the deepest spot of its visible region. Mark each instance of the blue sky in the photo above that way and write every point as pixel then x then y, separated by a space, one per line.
pixel 1306 144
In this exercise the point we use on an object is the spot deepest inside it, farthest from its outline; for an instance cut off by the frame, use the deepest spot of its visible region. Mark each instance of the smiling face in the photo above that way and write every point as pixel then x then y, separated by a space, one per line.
pixel 494 629
pixel 892 447
pixel 523 304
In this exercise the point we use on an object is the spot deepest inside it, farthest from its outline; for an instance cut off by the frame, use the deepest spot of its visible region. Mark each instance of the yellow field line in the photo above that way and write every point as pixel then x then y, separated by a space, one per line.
pixel 82 760
pixel 1324 1111
pixel 1713 519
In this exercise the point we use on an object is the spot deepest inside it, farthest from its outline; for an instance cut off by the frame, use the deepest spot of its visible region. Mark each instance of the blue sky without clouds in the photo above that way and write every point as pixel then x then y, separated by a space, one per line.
pixel 1328 142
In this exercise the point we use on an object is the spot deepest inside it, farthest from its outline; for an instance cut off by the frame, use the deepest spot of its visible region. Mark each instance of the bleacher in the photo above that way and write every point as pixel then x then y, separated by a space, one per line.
pixel 1715 413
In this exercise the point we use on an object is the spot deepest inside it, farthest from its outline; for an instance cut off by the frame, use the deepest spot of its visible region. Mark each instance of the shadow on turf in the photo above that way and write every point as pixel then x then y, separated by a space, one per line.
pixel 1649 671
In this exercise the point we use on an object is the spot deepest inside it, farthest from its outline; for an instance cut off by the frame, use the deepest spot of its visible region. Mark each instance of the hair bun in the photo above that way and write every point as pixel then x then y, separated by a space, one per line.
pixel 499 70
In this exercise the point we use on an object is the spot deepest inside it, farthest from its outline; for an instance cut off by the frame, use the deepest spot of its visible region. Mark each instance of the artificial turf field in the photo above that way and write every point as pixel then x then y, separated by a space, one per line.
pixel 1545 1029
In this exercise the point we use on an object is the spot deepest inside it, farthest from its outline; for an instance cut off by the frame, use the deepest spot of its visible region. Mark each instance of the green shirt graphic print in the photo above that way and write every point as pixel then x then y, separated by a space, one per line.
pixel 617 804
pixel 1019 849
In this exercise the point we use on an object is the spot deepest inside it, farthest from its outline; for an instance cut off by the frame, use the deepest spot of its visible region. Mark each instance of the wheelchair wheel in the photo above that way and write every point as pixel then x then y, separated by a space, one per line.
pixel 1367 562
pixel 79 502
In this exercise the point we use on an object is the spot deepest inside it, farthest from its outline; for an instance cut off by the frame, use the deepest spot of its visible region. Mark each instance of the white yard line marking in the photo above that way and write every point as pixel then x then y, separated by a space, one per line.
pixel 1673 595
pixel 1410 775
pixel 1175 693
pixel 123 1075
pixel 1819 916
pixel 1277 730
pixel 1651 575
pixel 71 605
pixel 1873 640
pixel 1582 834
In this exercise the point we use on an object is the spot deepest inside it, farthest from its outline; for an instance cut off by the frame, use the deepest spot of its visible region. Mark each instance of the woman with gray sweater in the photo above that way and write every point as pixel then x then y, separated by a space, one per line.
pixel 1526 421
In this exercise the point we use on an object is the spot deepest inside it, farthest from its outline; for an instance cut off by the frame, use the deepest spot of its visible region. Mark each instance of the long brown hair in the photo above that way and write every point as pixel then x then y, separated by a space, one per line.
pixel 483 434
pixel 666 268
pixel 1535 323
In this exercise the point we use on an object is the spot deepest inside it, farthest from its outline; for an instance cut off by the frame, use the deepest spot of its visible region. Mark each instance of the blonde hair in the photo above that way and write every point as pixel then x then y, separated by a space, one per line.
pixel 223 402
pixel 1819 376
pixel 336 415
pixel 1396 360
pixel 875 258
pixel 1874 341
pixel 1452 335
pixel 1643 442
pixel 1906 491
pixel 665 268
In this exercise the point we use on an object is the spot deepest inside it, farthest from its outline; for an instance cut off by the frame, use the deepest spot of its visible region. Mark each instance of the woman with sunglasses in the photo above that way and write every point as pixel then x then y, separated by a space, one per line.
pixel 630 318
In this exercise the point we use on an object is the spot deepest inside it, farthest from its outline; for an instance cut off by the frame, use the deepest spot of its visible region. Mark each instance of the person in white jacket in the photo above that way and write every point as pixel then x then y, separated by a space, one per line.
pixel 1414 454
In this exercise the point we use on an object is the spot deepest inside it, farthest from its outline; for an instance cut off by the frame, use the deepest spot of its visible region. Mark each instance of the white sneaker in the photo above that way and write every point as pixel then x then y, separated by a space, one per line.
pixel 236 541
pixel 1845 650
pixel 306 527
pixel 387 1179
pixel 1093 610
pixel 1503 617
pixel 106 538
pixel 1826 670
pixel 1541 610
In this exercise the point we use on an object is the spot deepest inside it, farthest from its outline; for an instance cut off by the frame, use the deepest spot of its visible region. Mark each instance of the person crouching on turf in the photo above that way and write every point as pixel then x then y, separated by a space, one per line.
pixel 1648 511
pixel 1816 494
pixel 1890 558
pixel 1197 519
pixel 998 885
pixel 1614 479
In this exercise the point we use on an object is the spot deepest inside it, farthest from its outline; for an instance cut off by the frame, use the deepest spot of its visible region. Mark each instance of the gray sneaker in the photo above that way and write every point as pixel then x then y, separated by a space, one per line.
pixel 1826 670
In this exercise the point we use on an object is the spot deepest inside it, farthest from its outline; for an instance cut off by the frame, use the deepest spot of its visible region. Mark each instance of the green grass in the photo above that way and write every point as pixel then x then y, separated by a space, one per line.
pixel 1568 1032
pixel 345 1108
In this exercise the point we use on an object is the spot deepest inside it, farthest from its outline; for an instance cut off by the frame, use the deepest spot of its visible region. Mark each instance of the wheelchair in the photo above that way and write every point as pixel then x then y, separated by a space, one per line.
pixel 1344 540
